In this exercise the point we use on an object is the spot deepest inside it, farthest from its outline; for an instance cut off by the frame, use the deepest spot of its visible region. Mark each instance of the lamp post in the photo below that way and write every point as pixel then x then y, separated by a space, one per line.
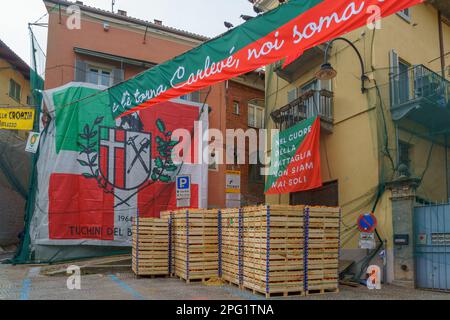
pixel 327 72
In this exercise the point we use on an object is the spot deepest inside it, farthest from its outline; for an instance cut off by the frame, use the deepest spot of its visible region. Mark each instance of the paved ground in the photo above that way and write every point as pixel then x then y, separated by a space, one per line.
pixel 26 282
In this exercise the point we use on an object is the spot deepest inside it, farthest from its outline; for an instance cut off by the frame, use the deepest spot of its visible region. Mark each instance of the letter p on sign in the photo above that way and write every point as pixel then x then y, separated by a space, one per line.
pixel 183 183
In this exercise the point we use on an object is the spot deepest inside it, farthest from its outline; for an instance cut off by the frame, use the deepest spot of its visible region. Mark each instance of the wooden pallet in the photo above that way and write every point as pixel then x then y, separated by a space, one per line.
pixel 150 247
pixel 274 292
pixel 311 292
pixel 273 253
pixel 195 244
pixel 323 249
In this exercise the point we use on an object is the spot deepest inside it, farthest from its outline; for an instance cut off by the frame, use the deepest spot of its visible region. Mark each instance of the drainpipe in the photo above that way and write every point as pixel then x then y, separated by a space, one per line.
pixel 441 43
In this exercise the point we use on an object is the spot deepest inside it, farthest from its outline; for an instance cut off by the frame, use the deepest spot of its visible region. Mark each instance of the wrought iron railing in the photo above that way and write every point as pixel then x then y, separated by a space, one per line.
pixel 420 83
pixel 310 104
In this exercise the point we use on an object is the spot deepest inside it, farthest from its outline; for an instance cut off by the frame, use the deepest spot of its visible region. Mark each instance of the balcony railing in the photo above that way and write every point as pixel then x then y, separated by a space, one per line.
pixel 423 96
pixel 310 104
pixel 420 83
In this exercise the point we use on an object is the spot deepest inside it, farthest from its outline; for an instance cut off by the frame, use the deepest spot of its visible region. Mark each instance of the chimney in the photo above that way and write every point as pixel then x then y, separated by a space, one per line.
pixel 122 13
pixel 158 22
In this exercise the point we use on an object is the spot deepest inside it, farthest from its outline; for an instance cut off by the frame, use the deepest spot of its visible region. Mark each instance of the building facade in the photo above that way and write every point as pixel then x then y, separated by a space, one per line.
pixel 384 150
pixel 14 81
pixel 246 116
pixel 107 48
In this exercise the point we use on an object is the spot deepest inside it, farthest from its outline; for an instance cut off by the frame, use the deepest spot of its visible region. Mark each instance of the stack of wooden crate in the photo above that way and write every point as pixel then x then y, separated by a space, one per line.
pixel 195 242
pixel 323 249
pixel 273 256
pixel 272 250
pixel 230 249
pixel 150 247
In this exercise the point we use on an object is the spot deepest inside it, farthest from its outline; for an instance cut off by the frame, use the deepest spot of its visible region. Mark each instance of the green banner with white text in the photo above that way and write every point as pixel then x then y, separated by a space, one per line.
pixel 295 159
pixel 283 33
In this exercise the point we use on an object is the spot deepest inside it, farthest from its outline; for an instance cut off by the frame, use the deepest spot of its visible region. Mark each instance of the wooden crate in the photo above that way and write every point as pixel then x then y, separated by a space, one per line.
pixel 150 247
pixel 323 249
pixel 273 256
pixel 168 217
pixel 230 253
pixel 195 241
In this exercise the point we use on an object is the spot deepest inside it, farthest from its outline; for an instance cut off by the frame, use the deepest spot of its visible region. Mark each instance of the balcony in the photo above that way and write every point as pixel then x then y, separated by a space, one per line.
pixel 309 59
pixel 443 6
pixel 422 96
pixel 310 104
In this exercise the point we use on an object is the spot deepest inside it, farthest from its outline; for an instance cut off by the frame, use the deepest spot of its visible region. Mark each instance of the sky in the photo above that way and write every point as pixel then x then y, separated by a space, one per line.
pixel 205 17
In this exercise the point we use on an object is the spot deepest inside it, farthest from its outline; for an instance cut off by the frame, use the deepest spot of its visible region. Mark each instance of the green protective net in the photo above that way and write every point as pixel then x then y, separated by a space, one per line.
pixel 16 164
pixel 37 86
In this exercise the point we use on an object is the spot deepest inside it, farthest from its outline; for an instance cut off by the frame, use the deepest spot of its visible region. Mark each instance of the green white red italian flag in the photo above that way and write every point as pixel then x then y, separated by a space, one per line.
pixel 283 33
pixel 295 159
pixel 95 173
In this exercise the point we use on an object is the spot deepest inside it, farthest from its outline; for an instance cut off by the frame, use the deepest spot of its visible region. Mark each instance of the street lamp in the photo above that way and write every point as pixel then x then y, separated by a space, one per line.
pixel 327 72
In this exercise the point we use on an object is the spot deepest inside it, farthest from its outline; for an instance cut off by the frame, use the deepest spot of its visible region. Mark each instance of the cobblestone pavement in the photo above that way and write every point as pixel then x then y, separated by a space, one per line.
pixel 25 282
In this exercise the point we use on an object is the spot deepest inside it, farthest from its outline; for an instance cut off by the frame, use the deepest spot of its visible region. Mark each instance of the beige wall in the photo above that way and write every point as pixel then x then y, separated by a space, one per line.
pixel 7 72
pixel 353 153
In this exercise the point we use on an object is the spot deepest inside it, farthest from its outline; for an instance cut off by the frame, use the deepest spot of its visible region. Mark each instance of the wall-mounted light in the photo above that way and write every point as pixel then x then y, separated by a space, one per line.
pixel 327 72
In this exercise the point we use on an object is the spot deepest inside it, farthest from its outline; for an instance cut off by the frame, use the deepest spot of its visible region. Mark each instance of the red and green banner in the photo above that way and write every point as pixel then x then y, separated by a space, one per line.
pixel 283 33
pixel 295 159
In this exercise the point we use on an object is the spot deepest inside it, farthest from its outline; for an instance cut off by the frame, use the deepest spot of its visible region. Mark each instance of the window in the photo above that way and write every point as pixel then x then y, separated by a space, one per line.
pixel 14 90
pixel 193 97
pixel 312 103
pixel 212 164
pixel 29 100
pixel 312 85
pixel 99 76
pixel 292 95
pixel 254 173
pixel 236 107
pixel 255 116
pixel 405 14
pixel 404 152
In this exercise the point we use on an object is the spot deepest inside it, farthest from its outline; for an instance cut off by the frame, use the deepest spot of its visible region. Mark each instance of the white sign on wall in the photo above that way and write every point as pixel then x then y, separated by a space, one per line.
pixel 367 240
pixel 233 189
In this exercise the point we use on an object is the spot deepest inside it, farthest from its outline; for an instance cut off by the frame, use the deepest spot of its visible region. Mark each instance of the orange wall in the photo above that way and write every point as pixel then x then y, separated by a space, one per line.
pixel 126 42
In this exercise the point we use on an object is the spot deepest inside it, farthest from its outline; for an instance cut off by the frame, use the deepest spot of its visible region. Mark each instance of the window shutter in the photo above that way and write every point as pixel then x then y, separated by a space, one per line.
pixel 292 95
pixel 118 76
pixel 18 92
pixel 11 88
pixel 394 77
pixel 80 71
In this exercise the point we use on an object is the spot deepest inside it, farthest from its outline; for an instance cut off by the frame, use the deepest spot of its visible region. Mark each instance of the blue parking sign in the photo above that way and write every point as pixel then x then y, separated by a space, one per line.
pixel 183 182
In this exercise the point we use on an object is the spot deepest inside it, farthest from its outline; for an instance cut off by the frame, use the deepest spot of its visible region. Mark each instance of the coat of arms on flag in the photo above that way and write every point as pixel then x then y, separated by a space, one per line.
pixel 125 157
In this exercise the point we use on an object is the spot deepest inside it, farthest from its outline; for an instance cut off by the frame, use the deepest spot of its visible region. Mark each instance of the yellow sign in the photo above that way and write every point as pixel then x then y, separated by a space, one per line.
pixel 16 118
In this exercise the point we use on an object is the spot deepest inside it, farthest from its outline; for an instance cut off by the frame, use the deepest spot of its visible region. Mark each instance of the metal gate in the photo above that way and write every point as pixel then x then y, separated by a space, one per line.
pixel 432 246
